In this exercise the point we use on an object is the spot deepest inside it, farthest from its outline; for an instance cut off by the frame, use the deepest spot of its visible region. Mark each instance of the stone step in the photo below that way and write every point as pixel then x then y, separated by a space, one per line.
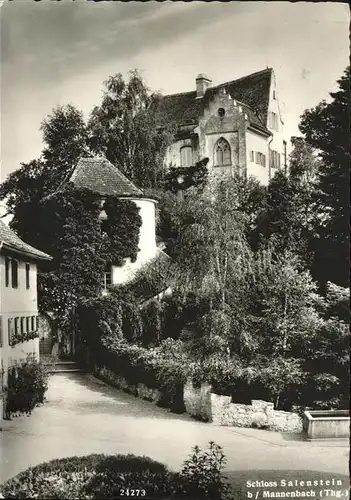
pixel 64 366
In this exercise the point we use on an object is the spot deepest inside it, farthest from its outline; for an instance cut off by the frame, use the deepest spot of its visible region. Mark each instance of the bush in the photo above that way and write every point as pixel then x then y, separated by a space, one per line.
pixel 203 473
pixel 101 476
pixel 27 384
pixel 92 476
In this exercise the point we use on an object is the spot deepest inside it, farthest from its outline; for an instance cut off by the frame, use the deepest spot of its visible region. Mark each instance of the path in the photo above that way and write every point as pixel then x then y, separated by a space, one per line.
pixel 83 415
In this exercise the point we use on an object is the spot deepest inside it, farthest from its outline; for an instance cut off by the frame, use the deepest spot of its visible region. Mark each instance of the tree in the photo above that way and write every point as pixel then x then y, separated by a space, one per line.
pixel 282 307
pixel 303 162
pixel 285 221
pixel 124 129
pixel 327 129
pixel 64 138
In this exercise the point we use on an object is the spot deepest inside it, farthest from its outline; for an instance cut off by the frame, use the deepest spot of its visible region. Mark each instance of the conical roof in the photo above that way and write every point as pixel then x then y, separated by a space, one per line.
pixel 101 177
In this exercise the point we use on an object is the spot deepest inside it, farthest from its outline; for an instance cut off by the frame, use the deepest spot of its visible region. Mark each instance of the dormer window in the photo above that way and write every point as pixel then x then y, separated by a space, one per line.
pixel 186 156
pixel 222 153
pixel 221 112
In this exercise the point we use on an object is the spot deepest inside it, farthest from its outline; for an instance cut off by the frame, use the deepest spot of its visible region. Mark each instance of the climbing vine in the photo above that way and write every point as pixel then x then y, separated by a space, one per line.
pixel 82 246
pixel 121 230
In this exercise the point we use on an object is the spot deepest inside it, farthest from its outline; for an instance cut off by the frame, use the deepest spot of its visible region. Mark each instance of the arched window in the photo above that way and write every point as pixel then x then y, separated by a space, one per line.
pixel 186 156
pixel 222 155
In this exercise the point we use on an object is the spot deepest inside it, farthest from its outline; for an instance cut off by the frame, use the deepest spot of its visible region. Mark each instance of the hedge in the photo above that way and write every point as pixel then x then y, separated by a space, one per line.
pixel 99 476
pixel 163 368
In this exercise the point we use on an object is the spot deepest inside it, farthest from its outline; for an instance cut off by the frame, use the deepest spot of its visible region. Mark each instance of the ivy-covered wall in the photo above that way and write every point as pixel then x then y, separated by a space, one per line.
pixel 82 245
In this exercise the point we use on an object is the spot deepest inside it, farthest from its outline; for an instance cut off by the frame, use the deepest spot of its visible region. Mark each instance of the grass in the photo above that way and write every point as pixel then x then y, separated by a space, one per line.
pixel 240 487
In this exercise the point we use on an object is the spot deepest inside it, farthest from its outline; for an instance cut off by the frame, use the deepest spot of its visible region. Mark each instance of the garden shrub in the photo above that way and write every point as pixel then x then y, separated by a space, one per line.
pixel 100 476
pixel 27 384
pixel 202 474
pixel 91 476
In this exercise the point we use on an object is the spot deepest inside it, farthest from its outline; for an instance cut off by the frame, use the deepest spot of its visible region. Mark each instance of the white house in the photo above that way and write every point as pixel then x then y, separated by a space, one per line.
pixel 237 125
pixel 18 300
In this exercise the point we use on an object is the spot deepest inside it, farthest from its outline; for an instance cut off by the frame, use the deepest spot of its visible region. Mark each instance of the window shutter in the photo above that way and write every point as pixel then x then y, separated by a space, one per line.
pixel 7 271
pixel 27 276
pixel 10 329
pixel 14 273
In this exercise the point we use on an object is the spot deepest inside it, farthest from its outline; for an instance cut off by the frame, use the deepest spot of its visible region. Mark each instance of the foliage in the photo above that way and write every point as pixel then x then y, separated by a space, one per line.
pixel 326 364
pixel 64 138
pixel 74 240
pixel 327 129
pixel 285 220
pixel 202 473
pixel 163 367
pixel 27 383
pixel 121 230
pixel 152 313
pixel 124 129
pixel 108 476
pixel 182 178
pixel 213 250
pixel 211 334
pixel 338 302
pixel 196 206
pixel 303 163
pixel 282 312
pixel 82 248
pixel 22 337
pixel 90 476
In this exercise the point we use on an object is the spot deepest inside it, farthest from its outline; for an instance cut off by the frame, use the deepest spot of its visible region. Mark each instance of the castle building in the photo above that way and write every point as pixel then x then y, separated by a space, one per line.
pixel 237 125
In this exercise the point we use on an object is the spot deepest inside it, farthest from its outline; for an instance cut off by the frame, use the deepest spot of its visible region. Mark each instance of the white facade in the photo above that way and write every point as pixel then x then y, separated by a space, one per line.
pixel 147 242
pixel 18 311
pixel 255 143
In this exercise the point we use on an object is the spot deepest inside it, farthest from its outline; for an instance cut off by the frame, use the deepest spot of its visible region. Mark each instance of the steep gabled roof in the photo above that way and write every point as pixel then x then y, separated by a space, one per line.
pixel 251 90
pixel 179 109
pixel 101 177
pixel 9 240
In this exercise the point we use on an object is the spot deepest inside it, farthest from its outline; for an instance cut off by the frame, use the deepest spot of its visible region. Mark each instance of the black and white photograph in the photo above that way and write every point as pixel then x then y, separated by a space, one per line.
pixel 174 250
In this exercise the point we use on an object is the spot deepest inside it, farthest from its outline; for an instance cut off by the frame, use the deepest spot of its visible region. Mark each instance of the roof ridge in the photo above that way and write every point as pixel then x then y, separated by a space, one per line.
pixel 180 93
pixel 242 78
pixel 221 84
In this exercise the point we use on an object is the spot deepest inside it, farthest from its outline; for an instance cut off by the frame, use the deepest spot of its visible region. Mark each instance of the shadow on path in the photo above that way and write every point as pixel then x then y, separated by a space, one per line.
pixel 84 393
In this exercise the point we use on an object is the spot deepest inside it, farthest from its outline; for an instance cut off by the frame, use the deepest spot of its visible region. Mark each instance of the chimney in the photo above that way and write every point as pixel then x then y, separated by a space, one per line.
pixel 202 84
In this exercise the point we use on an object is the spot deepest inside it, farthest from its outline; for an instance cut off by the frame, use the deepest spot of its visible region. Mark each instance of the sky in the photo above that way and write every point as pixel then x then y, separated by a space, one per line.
pixel 55 53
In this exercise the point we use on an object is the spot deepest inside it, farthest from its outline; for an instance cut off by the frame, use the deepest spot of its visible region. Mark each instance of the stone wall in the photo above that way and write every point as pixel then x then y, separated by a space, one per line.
pixel 204 404
pixel 140 390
